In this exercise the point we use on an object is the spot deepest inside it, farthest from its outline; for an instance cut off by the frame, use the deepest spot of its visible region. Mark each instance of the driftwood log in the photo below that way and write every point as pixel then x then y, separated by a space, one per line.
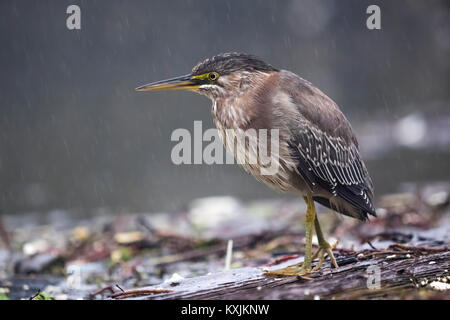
pixel 400 268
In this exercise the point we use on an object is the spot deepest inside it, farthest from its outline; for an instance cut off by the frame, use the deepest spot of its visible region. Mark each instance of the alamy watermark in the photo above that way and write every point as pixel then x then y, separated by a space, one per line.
pixel 373 277
pixel 373 22
pixel 255 148
pixel 73 21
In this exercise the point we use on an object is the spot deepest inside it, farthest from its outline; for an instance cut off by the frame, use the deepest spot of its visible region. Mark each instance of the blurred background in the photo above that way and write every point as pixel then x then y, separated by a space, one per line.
pixel 75 135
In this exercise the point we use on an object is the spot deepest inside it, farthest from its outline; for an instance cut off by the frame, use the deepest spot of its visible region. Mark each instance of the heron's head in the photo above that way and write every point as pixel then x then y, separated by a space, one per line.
pixel 224 75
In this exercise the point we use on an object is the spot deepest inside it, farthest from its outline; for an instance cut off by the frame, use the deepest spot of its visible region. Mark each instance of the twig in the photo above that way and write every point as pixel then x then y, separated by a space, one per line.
pixel 101 290
pixel 282 259
pixel 119 288
pixel 371 245
pixel 37 293
pixel 138 292
pixel 419 248
pixel 229 255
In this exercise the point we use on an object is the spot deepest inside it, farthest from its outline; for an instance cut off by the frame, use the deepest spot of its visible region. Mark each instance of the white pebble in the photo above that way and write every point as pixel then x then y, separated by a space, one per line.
pixel 440 286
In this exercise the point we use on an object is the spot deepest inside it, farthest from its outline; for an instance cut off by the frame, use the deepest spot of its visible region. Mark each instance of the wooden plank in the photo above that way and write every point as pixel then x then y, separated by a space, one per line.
pixel 400 267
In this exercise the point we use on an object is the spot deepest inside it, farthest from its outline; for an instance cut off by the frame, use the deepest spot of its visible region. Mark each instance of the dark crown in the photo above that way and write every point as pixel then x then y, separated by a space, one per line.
pixel 226 63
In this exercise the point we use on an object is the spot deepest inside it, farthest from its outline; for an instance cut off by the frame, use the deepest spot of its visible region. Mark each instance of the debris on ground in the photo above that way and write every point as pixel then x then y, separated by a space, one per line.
pixel 184 255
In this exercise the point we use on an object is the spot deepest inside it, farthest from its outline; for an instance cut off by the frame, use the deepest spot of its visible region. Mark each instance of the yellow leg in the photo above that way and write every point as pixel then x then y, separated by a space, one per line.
pixel 305 266
pixel 310 218
pixel 324 247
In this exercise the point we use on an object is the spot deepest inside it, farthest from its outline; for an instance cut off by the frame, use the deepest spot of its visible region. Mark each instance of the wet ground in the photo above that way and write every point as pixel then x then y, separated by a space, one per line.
pixel 60 255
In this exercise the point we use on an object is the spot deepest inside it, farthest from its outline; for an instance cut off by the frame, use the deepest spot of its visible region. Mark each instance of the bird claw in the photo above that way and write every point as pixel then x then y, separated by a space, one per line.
pixel 299 269
pixel 325 248
pixel 294 270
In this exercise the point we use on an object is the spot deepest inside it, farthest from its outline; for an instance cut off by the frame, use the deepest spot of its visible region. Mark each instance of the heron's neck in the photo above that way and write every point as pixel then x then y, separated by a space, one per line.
pixel 230 113
pixel 238 109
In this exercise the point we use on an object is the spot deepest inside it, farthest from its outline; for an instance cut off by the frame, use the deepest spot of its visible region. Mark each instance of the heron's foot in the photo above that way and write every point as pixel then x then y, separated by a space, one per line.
pixel 298 269
pixel 325 248
pixel 295 270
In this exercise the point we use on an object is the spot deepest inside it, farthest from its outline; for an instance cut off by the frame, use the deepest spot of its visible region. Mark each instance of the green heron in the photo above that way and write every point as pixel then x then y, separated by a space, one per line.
pixel 318 152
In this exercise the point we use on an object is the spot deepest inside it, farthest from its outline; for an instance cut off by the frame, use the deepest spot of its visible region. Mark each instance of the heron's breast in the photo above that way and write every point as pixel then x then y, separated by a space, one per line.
pixel 261 153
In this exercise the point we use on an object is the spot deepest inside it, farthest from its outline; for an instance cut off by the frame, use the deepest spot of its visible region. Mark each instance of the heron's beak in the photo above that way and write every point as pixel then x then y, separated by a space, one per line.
pixel 186 82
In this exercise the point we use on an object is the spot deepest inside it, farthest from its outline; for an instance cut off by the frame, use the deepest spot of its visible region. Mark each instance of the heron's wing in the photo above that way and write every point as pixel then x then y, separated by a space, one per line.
pixel 327 152
pixel 336 167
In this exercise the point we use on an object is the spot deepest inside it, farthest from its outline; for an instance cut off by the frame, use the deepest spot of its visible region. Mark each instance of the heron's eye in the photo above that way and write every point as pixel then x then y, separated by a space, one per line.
pixel 213 76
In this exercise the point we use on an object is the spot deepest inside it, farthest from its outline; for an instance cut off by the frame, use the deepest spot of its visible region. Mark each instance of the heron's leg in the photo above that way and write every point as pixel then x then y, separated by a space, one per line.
pixel 324 247
pixel 309 225
pixel 305 266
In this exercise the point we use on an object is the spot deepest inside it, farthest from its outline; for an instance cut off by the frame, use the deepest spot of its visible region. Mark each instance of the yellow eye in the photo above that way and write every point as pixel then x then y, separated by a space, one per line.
pixel 213 76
